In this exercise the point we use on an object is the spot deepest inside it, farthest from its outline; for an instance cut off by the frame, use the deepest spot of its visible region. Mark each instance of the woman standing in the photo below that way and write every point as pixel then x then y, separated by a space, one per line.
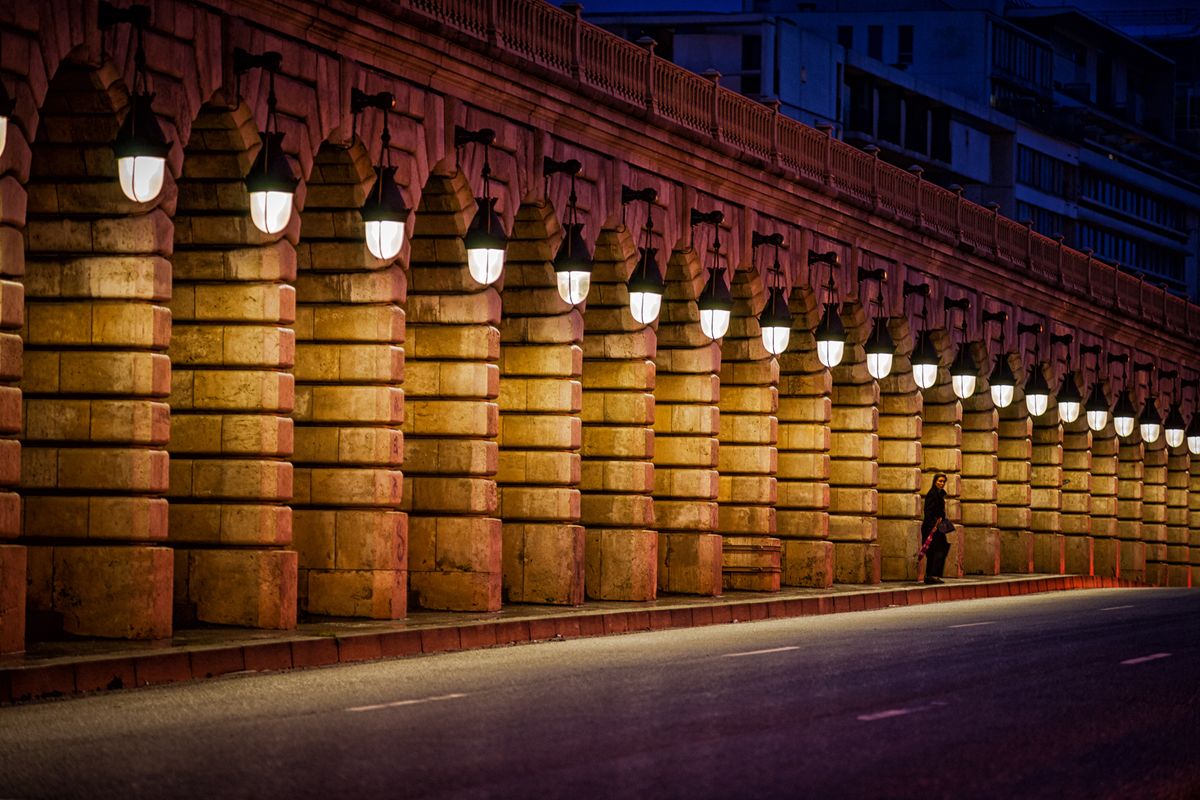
pixel 932 529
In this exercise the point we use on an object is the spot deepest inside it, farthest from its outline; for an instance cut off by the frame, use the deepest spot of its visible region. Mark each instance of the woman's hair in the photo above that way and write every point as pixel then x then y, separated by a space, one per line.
pixel 933 485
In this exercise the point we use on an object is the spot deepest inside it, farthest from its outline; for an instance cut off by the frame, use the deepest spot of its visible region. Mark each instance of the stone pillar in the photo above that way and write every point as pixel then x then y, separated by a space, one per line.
pixel 854 475
pixel 14 172
pixel 93 467
pixel 1129 508
pixel 900 504
pixel 540 429
pixel 1154 512
pixel 748 458
pixel 978 488
pixel 1194 522
pixel 1106 558
pixel 1178 480
pixel 941 451
pixel 451 420
pixel 686 420
pixel 351 538
pixel 802 481
pixel 232 389
pixel 1013 490
pixel 617 479
pixel 1076 519
pixel 1045 502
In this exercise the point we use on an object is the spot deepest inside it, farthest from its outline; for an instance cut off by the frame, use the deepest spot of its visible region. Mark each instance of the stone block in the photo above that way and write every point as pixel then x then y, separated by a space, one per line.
pixel 851 528
pixel 856 562
pixel 685 515
pixel 751 563
pixel 689 563
pixel 617 441
pixel 232 435
pixel 1016 551
pixel 13 566
pixel 1079 555
pixel 614 510
pixel 370 594
pixel 1049 553
pixel 543 563
pixel 621 564
pixel 981 551
pixel 109 592
pixel 806 563
pixel 138 519
pixel 1106 558
pixel 801 524
pixel 230 523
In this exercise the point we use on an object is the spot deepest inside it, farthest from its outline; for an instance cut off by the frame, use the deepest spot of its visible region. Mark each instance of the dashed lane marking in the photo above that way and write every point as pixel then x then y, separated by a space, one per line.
pixel 400 703
pixel 973 624
pixel 1115 608
pixel 899 712
pixel 1131 661
pixel 760 652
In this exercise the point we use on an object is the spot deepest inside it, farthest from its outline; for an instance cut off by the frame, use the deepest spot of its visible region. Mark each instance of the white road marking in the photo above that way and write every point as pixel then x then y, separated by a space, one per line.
pixel 399 703
pixel 973 624
pixel 1115 608
pixel 898 712
pixel 1144 659
pixel 760 652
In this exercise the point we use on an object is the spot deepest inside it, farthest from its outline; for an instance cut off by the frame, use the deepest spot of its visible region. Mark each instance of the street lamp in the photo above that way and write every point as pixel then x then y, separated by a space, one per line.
pixel 646 285
pixel 384 213
pixel 715 302
pixel 1124 415
pixel 775 321
pixel 830 333
pixel 1097 407
pixel 1150 422
pixel 880 348
pixel 7 106
pixel 1001 383
pixel 486 241
pixel 963 371
pixel 1037 391
pixel 270 183
pixel 573 262
pixel 140 147
pixel 925 357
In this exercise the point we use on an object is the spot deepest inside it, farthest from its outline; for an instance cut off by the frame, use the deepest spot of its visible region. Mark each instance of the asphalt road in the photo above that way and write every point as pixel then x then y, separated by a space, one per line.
pixel 1074 695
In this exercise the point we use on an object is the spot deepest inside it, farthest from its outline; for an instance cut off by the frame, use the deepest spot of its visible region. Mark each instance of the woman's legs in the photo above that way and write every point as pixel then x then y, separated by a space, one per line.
pixel 938 551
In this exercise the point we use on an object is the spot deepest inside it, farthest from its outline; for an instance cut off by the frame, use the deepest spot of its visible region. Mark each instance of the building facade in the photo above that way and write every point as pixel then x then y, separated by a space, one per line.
pixel 207 422
pixel 1063 120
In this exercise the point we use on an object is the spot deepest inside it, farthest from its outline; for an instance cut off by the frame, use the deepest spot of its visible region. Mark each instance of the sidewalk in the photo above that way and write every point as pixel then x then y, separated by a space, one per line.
pixel 61 668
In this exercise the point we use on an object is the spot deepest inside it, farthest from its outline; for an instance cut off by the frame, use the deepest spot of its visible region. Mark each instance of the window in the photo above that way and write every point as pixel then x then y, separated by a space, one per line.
pixel 1043 172
pixel 875 42
pixel 1134 202
pixel 751 64
pixel 1045 222
pixel 1134 254
pixel 846 36
pixel 904 50
pixel 940 138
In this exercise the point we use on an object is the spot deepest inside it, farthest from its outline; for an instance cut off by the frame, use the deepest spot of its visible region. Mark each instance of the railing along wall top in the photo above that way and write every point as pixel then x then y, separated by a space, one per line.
pixel 561 42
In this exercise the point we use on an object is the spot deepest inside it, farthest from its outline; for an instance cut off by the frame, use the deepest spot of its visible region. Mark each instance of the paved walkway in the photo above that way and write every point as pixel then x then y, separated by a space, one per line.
pixel 67 667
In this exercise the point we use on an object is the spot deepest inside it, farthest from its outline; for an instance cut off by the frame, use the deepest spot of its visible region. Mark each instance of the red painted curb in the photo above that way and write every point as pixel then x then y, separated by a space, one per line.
pixel 21 683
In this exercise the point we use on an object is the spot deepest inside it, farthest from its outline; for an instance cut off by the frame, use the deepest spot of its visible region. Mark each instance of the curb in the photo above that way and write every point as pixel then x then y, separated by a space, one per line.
pixel 66 677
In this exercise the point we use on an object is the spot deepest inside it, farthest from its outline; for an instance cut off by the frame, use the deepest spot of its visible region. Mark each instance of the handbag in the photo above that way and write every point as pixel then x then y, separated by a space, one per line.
pixel 945 527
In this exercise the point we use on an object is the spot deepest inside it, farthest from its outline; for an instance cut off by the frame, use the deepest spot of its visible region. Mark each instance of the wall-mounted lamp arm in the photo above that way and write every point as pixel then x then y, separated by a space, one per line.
pixel 464 137
pixel 244 61
pixel 921 289
pixel 774 239
pixel 877 274
pixel 360 100
pixel 109 15
pixel 646 195
pixel 830 258
pixel 714 217
pixel 552 166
